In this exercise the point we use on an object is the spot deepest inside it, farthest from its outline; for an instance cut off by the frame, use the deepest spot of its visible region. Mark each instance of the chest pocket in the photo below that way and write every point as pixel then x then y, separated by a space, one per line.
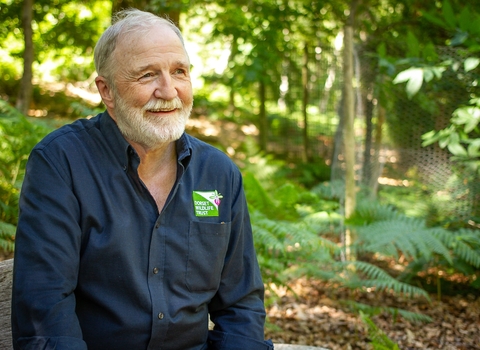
pixel 207 246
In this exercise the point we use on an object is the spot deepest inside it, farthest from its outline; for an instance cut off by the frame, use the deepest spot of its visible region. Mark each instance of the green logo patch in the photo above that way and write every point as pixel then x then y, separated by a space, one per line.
pixel 205 203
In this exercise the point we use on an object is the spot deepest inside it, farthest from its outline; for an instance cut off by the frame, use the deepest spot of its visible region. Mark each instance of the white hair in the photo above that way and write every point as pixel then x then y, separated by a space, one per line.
pixel 125 21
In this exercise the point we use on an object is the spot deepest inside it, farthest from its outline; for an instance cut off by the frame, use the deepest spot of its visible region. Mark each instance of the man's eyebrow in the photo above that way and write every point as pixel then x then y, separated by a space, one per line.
pixel 177 63
pixel 182 63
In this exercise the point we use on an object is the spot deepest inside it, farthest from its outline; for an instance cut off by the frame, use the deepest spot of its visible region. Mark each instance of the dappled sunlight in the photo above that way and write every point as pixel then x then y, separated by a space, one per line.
pixel 393 182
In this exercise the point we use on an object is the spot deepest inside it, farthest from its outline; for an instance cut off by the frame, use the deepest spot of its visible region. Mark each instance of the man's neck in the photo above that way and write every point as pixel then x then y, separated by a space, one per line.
pixel 152 159
pixel 158 170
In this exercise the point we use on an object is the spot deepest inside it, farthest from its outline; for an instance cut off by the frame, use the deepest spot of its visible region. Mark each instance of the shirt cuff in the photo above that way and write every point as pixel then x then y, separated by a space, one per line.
pixel 50 343
pixel 218 340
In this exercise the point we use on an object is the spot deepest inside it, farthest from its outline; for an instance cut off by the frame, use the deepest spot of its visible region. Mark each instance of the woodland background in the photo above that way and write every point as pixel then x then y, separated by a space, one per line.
pixel 355 124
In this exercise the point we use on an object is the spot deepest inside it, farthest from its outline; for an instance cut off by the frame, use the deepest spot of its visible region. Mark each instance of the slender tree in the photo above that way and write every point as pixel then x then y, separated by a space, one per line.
pixel 348 133
pixel 25 91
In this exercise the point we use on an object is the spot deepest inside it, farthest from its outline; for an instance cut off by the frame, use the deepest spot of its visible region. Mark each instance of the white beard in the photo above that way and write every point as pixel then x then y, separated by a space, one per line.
pixel 150 131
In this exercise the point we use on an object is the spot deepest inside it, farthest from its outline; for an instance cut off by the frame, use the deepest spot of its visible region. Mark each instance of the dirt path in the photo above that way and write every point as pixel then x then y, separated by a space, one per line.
pixel 317 317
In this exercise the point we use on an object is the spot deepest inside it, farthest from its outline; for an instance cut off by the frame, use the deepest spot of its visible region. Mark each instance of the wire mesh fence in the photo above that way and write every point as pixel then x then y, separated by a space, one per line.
pixel 388 126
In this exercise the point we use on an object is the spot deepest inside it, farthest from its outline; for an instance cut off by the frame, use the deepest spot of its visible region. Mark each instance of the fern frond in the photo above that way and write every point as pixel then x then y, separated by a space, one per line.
pixel 7 234
pixel 379 279
pixel 406 235
pixel 370 310
pixel 323 222
pixel 368 212
pixel 465 252
pixel 464 244
pixel 411 316
pixel 380 341
pixel 256 194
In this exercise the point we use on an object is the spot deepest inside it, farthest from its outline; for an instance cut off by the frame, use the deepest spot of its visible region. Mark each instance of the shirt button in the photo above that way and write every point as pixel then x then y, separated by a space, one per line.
pixel 155 270
pixel 157 225
pixel 160 316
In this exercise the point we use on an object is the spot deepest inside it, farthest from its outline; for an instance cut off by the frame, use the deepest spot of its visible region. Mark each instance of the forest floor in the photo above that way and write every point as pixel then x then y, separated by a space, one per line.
pixel 312 313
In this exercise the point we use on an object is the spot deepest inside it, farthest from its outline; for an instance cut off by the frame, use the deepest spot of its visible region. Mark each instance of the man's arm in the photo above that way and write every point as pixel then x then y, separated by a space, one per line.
pixel 47 247
pixel 238 310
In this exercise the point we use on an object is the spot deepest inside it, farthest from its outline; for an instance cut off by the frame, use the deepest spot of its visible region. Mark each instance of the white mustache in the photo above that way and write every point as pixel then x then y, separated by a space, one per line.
pixel 163 105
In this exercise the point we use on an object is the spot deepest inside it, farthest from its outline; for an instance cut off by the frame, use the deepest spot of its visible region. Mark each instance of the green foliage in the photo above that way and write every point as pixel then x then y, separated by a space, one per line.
pixel 294 236
pixel 64 35
pixel 462 136
pixel 369 310
pixel 17 138
pixel 7 234
pixel 379 340
pixel 367 275
pixel 385 232
pixel 397 234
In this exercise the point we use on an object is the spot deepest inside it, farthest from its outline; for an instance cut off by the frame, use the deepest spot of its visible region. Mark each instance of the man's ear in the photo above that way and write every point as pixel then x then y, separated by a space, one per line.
pixel 105 91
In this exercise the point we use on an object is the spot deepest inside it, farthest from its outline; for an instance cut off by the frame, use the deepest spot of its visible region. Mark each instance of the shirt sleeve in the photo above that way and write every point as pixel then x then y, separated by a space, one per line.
pixel 46 261
pixel 237 310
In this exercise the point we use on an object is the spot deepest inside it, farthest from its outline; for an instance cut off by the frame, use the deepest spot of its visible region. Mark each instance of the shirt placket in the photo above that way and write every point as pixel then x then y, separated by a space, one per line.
pixel 156 275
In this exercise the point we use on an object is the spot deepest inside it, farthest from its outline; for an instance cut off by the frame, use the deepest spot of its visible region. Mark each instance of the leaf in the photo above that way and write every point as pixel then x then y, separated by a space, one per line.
pixel 429 138
pixel 414 78
pixel 473 149
pixel 459 38
pixel 415 82
pixel 434 19
pixel 464 19
pixel 461 116
pixel 468 116
pixel 428 75
pixel 457 149
pixel 438 71
pixel 471 63
pixel 413 46
pixel 382 50
pixel 448 14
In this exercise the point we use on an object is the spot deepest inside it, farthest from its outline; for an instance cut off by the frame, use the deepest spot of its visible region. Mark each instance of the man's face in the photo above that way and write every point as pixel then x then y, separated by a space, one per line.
pixel 153 91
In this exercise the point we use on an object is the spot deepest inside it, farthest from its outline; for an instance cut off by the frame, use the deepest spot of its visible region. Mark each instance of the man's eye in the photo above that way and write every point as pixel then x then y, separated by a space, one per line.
pixel 179 71
pixel 147 75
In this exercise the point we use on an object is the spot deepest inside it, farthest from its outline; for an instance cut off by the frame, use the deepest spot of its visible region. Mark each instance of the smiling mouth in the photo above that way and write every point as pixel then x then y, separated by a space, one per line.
pixel 161 110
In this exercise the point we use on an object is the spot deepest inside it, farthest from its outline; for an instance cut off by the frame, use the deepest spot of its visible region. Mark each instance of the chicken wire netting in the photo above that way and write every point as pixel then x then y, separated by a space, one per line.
pixel 395 154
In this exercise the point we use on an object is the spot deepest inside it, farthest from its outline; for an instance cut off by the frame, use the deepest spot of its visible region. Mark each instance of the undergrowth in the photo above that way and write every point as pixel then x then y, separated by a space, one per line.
pixel 17 138
pixel 297 234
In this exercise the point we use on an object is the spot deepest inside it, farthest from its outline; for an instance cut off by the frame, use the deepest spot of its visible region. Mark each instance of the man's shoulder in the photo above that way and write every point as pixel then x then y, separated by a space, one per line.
pixel 68 134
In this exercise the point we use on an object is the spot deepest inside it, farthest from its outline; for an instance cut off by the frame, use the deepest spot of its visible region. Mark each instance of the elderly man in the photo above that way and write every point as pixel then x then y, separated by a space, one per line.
pixel 131 232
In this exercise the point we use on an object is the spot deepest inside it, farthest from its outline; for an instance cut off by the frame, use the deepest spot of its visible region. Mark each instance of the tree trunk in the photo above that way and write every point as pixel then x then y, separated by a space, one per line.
pixel 118 5
pixel 231 58
pixel 348 133
pixel 25 93
pixel 262 117
pixel 367 152
pixel 377 166
pixel 305 77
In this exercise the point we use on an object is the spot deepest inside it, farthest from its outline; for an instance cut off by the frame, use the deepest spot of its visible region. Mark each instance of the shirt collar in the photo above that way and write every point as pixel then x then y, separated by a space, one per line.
pixel 121 148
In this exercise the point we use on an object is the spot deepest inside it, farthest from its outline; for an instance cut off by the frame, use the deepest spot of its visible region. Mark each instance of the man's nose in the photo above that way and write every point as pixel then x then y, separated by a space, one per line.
pixel 165 88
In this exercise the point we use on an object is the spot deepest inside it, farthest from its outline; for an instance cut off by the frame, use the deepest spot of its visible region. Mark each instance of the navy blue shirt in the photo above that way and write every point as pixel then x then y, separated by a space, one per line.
pixel 98 267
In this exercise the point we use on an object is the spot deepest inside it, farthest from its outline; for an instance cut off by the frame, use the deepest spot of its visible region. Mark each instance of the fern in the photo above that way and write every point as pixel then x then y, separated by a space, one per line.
pixel 464 243
pixel 7 234
pixel 401 235
pixel 380 341
pixel 368 212
pixel 17 138
pixel 375 278
pixel 370 310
